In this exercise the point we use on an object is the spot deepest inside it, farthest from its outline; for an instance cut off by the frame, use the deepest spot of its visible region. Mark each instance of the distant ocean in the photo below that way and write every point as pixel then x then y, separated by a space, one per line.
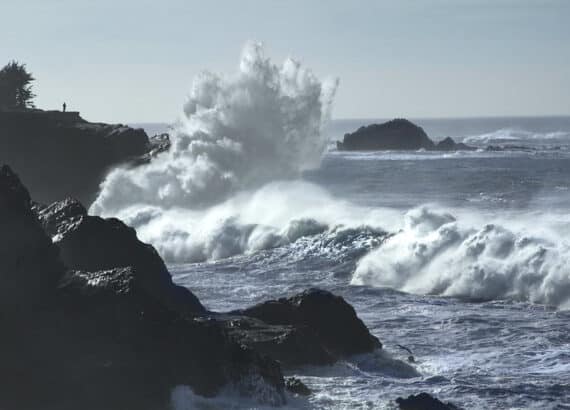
pixel 439 128
pixel 475 279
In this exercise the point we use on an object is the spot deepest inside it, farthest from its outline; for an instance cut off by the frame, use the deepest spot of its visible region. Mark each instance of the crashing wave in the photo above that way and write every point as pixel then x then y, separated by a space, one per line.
pixel 435 254
pixel 237 132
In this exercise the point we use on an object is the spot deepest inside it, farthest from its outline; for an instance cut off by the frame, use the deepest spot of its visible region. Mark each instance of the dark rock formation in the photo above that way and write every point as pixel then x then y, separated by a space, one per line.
pixel 157 144
pixel 60 154
pixel 398 134
pixel 102 339
pixel 423 401
pixel 314 327
pixel 93 320
pixel 28 260
pixel 448 144
pixel 294 385
pixel 92 243
pixel 295 331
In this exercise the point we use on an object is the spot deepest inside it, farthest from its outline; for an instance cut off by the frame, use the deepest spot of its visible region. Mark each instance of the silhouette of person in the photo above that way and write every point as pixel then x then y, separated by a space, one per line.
pixel 64 106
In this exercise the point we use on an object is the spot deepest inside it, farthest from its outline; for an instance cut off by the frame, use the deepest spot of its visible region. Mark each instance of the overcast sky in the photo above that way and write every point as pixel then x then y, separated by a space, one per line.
pixel 134 60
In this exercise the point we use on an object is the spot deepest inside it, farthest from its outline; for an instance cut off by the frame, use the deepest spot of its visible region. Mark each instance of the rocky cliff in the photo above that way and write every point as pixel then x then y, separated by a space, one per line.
pixel 60 154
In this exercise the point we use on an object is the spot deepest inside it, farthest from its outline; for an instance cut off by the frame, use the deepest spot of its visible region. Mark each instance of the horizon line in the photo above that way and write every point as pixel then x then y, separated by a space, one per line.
pixel 472 117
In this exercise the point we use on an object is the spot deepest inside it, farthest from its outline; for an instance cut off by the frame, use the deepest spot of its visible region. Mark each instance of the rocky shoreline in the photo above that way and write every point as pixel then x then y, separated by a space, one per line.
pixel 91 316
pixel 108 315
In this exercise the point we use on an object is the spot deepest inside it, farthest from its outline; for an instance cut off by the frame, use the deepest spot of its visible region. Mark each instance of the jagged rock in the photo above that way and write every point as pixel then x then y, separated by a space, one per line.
pixel 60 154
pixel 398 134
pixel 314 327
pixel 102 339
pixel 92 243
pixel 28 259
pixel 423 401
pixel 157 144
pixel 294 385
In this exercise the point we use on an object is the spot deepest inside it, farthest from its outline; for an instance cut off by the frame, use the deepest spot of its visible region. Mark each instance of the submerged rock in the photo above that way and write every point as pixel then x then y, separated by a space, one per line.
pixel 60 154
pixel 423 401
pixel 296 386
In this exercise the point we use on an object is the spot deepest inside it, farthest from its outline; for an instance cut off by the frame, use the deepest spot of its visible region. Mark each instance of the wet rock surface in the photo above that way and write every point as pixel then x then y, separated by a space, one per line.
pixel 423 401
pixel 296 386
pixel 92 243
pixel 313 327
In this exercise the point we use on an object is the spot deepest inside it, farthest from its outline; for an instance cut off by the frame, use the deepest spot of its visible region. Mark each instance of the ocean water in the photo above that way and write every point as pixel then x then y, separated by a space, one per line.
pixel 464 258
pixel 461 257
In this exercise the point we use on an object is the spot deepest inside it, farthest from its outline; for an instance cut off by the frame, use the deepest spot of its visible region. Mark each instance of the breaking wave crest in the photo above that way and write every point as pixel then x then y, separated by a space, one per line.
pixel 278 214
pixel 434 253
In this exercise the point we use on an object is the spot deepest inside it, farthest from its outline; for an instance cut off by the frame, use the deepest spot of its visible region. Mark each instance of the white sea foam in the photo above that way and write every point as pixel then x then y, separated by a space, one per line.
pixel 204 198
pixel 228 186
pixel 237 132
pixel 277 214
pixel 435 253
pixel 514 135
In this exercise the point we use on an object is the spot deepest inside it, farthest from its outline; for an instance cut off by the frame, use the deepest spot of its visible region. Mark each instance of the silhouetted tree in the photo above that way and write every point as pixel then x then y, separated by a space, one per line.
pixel 15 86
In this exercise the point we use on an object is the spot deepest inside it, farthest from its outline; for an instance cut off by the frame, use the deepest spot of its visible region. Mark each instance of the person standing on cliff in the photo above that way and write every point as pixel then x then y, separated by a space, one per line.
pixel 64 106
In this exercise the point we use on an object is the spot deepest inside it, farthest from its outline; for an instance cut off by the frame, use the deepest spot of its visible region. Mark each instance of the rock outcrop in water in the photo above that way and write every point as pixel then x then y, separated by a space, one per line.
pixel 397 134
pixel 93 320
pixel 448 144
pixel 314 327
pixel 59 154
pixel 423 401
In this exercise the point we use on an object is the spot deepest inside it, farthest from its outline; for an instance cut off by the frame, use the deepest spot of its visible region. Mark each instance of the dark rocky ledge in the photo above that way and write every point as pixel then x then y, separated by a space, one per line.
pixel 60 154
pixel 314 327
pixel 95 313
pixel 397 134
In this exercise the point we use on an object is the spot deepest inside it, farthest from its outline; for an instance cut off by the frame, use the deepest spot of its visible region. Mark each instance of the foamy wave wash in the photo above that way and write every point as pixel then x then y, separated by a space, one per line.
pixel 435 254
pixel 261 124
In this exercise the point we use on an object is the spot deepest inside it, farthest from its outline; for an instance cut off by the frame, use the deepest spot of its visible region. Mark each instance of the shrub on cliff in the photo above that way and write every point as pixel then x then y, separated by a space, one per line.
pixel 15 87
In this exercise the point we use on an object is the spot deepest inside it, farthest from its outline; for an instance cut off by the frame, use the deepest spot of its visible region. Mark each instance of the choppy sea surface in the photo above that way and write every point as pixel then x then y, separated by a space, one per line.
pixel 463 258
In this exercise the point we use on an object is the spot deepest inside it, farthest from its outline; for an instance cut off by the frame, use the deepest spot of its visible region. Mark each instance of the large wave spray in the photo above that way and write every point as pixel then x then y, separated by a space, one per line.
pixel 203 199
pixel 240 131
